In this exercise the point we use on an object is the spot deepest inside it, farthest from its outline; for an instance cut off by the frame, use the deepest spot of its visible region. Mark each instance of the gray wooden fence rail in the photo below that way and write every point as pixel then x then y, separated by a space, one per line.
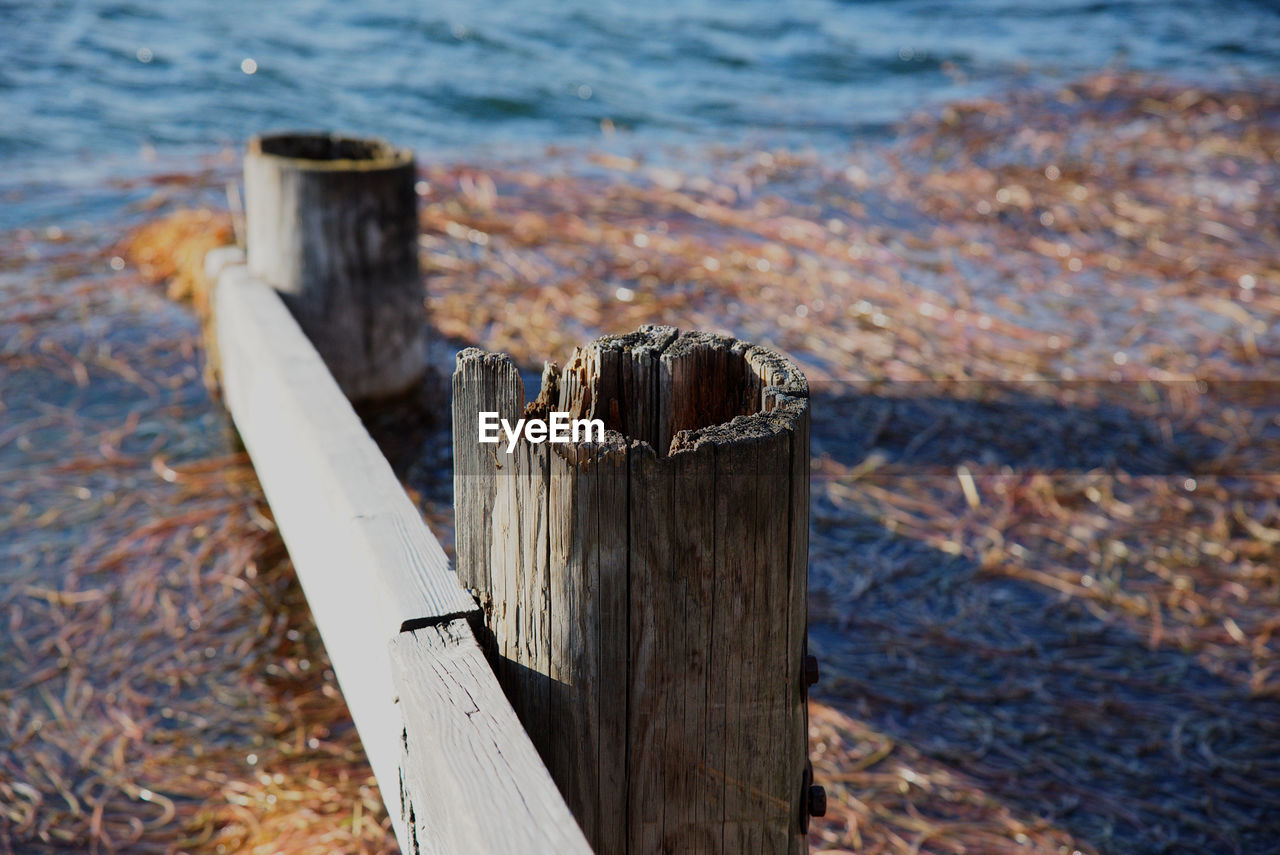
pixel 456 769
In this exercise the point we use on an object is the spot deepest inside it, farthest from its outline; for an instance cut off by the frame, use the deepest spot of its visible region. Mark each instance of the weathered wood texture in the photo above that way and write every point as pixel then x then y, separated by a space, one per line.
pixel 646 595
pixel 373 572
pixel 332 225
pixel 492 384
pixel 471 782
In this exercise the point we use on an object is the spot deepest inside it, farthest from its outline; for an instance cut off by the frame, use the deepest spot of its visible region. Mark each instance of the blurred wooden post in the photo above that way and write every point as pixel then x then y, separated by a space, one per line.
pixel 646 594
pixel 332 225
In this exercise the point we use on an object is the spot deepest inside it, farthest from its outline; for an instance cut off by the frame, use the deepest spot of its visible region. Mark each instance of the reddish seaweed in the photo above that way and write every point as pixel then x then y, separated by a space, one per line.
pixel 1044 569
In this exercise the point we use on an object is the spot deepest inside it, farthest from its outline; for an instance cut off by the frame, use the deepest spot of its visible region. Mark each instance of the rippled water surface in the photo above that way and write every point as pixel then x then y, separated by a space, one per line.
pixel 1046 623
pixel 88 87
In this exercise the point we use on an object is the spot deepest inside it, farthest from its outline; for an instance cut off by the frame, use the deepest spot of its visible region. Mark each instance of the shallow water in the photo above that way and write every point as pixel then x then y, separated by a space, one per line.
pixel 988 665
pixel 94 88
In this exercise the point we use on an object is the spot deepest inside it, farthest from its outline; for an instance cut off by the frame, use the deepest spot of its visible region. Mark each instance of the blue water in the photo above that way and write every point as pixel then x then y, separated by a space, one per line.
pixel 90 87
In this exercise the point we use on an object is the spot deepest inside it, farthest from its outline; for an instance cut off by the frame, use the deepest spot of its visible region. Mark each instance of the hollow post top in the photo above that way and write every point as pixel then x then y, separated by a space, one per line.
pixel 663 389
pixel 316 151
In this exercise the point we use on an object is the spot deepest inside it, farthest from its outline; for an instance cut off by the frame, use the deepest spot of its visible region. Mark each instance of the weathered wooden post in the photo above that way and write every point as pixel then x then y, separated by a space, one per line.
pixel 646 593
pixel 332 225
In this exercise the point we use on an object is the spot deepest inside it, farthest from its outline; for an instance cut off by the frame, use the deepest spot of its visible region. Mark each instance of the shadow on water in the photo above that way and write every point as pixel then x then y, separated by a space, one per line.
pixel 916 425
pixel 1054 707
pixel 1064 715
